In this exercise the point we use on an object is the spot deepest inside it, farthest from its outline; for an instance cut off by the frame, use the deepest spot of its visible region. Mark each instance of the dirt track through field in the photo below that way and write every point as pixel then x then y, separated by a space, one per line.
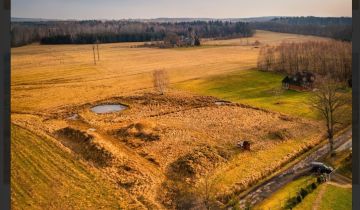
pixel 319 197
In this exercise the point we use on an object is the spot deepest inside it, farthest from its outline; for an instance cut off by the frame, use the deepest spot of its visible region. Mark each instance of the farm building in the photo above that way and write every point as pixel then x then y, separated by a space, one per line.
pixel 299 81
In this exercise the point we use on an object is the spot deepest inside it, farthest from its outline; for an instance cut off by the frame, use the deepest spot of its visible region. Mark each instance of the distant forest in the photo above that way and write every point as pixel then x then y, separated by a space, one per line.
pixel 337 28
pixel 86 32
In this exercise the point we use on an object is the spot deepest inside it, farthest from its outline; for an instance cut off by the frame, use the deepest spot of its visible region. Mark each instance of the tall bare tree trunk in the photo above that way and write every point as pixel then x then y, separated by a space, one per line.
pixel 331 142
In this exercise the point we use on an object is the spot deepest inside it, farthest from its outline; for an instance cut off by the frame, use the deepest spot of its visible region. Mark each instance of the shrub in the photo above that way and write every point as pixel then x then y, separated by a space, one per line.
pixel 303 192
pixel 321 179
pixel 291 203
pixel 313 186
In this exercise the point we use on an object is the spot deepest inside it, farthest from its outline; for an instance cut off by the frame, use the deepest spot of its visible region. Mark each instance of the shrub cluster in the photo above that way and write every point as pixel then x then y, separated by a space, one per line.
pixel 293 201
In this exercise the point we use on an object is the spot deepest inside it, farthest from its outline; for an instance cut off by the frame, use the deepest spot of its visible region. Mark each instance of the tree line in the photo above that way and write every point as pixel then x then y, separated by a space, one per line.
pixel 337 28
pixel 320 57
pixel 86 32
pixel 77 32
pixel 311 20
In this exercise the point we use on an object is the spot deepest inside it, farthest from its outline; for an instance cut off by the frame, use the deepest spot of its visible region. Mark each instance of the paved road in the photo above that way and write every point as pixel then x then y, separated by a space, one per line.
pixel 266 189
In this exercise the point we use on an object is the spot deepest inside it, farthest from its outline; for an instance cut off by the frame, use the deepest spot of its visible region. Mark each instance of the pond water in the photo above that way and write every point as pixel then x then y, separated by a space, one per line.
pixel 108 108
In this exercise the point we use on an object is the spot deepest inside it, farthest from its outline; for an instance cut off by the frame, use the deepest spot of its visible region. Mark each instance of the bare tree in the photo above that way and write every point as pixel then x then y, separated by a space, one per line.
pixel 160 80
pixel 323 58
pixel 328 100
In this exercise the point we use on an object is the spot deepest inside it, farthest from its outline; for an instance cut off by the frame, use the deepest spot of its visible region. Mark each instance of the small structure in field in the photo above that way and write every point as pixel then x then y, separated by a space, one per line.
pixel 301 81
pixel 174 40
pixel 245 145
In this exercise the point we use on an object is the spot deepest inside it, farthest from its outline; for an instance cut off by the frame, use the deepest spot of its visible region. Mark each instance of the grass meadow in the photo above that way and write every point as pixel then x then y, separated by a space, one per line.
pixel 333 198
pixel 256 88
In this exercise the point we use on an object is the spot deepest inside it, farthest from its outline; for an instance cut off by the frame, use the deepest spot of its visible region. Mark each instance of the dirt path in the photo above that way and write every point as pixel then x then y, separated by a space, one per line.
pixel 348 186
pixel 270 186
pixel 340 179
pixel 319 197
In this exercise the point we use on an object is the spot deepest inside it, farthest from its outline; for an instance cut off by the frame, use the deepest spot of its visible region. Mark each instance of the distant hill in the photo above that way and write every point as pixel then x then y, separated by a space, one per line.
pixel 18 19
pixel 174 20
pixel 310 20
pixel 161 20
pixel 334 27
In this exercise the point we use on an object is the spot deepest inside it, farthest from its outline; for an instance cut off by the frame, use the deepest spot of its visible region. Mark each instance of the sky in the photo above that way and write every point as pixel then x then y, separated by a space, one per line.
pixel 133 9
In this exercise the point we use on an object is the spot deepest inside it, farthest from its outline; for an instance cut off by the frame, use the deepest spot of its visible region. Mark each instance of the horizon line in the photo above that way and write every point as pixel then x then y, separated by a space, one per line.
pixel 80 19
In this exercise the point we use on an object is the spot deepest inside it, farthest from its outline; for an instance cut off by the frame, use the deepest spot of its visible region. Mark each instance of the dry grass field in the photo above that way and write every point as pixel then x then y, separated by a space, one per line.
pixel 45 77
pixel 159 139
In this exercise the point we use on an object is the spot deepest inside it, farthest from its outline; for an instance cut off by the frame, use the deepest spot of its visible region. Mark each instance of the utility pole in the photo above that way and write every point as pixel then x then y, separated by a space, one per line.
pixel 94 54
pixel 97 48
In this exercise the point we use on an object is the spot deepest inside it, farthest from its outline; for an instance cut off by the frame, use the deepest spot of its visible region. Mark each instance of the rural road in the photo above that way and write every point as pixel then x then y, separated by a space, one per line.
pixel 264 190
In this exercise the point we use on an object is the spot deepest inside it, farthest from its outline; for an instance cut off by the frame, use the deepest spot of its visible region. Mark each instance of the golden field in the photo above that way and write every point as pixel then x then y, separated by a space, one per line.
pixel 45 77
pixel 177 137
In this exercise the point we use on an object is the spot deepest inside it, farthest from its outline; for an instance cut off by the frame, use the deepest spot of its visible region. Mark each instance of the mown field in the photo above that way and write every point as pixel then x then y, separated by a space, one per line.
pixel 180 137
pixel 43 176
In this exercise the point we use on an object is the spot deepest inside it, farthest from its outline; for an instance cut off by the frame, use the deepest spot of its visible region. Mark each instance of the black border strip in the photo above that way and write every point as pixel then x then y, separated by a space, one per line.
pixel 5 105
pixel 355 108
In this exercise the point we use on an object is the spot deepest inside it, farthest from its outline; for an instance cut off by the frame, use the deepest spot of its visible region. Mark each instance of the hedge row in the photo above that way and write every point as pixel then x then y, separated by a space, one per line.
pixel 293 201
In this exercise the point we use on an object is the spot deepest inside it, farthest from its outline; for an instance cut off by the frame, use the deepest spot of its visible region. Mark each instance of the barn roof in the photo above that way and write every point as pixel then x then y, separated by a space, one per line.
pixel 299 77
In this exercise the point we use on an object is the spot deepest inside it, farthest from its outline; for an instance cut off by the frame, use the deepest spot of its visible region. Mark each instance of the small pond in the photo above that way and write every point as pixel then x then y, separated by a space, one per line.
pixel 108 108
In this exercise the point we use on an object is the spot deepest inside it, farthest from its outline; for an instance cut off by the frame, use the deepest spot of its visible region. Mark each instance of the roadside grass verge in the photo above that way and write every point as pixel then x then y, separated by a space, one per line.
pixel 279 198
pixel 336 198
